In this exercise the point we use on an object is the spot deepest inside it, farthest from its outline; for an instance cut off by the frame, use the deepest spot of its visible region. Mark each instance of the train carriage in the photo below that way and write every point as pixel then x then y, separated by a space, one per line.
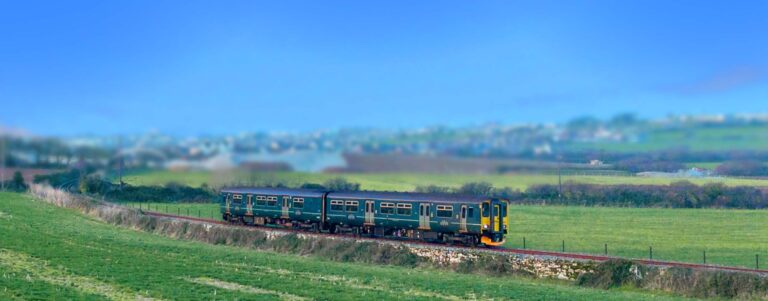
pixel 443 217
pixel 260 206
pixel 433 217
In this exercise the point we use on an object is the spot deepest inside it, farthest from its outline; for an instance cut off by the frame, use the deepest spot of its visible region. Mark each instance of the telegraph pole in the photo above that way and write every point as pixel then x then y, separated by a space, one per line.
pixel 120 162
pixel 559 179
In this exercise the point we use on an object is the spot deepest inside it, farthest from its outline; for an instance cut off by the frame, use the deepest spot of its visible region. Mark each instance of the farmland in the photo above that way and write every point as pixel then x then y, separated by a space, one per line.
pixel 404 181
pixel 703 138
pixel 730 237
pixel 49 251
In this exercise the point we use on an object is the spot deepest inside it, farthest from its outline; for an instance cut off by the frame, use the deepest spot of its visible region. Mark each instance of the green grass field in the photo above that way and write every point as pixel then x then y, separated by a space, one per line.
pixel 730 237
pixel 740 137
pixel 47 252
pixel 402 181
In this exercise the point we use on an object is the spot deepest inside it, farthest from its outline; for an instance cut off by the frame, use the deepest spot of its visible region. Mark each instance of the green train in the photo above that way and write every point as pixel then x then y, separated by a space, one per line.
pixel 430 217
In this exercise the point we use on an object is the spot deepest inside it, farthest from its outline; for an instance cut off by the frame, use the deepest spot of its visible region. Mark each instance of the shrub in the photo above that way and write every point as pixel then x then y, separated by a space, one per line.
pixel 684 281
pixel 742 169
pixel 433 189
pixel 612 273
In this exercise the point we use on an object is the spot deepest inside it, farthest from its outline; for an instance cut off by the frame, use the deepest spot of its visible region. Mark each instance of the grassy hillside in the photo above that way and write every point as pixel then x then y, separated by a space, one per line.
pixel 49 252
pixel 730 237
pixel 740 137
pixel 401 181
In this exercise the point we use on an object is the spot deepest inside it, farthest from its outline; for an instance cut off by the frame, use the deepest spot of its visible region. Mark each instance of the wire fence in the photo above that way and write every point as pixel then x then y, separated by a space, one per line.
pixel 525 244
pixel 212 211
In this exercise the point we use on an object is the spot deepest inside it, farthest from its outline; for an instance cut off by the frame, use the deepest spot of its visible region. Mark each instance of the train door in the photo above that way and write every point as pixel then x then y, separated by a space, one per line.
pixel 249 206
pixel 424 216
pixel 369 214
pixel 496 217
pixel 286 206
pixel 227 202
pixel 463 219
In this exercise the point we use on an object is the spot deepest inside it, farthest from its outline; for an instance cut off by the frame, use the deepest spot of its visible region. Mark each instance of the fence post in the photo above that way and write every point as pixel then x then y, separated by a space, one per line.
pixel 606 250
pixel 705 256
pixel 198 213
pixel 563 245
pixel 187 211
pixel 166 208
pixel 523 242
pixel 178 210
pixel 757 261
pixel 650 252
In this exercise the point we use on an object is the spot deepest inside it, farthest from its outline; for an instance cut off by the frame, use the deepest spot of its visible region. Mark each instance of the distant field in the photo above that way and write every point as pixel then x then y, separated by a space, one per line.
pixel 48 252
pixel 730 237
pixel 705 165
pixel 403 181
pixel 745 137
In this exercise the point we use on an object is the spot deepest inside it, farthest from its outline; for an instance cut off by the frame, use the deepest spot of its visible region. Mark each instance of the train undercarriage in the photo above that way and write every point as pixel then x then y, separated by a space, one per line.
pixel 362 231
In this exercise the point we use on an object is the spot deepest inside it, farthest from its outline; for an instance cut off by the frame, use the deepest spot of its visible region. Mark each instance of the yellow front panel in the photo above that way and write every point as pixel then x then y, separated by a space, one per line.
pixel 506 218
pixel 484 216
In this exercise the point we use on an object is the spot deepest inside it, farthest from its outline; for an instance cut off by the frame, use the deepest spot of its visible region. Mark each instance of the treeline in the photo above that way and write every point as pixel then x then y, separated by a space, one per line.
pixel 681 194
pixel 88 182
pixel 94 184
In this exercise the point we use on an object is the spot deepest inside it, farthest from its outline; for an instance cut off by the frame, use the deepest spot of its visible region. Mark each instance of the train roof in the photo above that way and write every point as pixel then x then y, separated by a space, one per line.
pixel 376 195
pixel 311 193
pixel 408 196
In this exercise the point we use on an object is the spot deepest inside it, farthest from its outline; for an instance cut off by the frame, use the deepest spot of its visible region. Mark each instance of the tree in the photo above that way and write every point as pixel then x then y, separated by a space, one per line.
pixel 477 188
pixel 341 184
pixel 623 120
pixel 17 182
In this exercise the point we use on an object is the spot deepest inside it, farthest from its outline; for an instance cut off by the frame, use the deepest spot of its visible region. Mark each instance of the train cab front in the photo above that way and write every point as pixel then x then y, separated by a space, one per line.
pixel 495 222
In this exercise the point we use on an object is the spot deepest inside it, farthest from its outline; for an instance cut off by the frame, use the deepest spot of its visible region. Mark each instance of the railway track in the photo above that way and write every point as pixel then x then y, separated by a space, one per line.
pixel 527 252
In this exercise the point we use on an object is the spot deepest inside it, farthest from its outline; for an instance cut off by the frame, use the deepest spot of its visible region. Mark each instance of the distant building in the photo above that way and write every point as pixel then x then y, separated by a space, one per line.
pixel 596 162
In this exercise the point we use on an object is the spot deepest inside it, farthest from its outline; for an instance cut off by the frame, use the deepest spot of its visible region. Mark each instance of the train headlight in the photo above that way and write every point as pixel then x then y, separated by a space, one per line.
pixel 485 226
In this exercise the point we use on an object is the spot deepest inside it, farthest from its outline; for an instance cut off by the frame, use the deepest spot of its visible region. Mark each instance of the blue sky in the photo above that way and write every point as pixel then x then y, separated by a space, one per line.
pixel 187 67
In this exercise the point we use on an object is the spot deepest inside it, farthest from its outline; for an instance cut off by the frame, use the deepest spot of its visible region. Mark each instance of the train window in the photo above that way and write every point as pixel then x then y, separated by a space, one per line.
pixel 404 209
pixel 337 205
pixel 470 212
pixel 271 201
pixel 495 210
pixel 238 198
pixel 503 210
pixel 352 206
pixel 261 200
pixel 444 211
pixel 387 208
pixel 298 203
pixel 486 210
